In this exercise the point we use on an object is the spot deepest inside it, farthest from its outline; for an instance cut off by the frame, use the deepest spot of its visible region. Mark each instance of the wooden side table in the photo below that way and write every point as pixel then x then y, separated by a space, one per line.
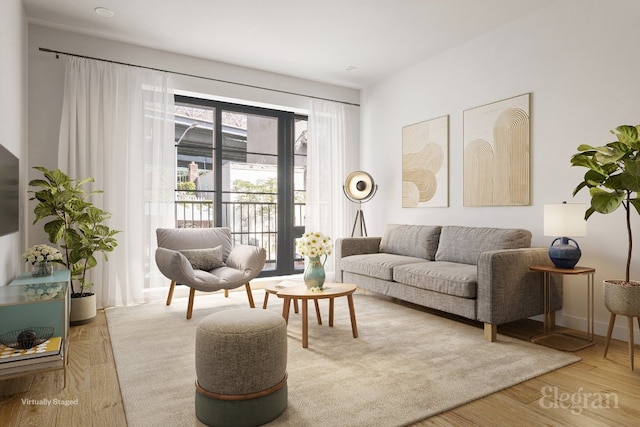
pixel 544 339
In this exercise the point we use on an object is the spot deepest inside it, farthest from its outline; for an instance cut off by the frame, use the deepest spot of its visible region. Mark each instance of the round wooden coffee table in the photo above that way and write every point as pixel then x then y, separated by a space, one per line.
pixel 331 291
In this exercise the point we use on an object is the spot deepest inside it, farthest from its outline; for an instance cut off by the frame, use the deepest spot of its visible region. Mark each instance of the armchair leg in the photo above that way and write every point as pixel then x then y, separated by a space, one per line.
pixel 226 293
pixel 249 295
pixel 192 293
pixel 171 288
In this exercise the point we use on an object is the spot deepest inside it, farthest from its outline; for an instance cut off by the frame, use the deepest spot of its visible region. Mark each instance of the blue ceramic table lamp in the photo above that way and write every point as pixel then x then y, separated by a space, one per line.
pixel 565 219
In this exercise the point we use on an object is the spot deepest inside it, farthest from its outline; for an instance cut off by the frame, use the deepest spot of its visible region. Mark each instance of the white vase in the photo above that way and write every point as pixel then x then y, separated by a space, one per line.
pixel 83 309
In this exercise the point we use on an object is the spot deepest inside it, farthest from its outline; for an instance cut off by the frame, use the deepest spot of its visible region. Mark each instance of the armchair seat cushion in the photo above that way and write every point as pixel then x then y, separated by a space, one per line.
pixel 222 277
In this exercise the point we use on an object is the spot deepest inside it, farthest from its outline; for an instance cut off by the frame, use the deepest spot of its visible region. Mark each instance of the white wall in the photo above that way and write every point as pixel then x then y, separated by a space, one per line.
pixel 580 60
pixel 46 81
pixel 13 104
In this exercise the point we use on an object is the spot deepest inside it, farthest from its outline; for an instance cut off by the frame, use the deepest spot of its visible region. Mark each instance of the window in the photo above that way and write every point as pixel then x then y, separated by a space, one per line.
pixel 244 168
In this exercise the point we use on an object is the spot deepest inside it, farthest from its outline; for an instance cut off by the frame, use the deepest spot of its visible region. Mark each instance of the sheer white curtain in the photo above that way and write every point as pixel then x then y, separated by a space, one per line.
pixel 332 153
pixel 117 127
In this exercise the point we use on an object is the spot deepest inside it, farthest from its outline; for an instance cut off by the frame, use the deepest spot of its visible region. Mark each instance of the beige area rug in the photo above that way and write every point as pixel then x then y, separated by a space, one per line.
pixel 406 365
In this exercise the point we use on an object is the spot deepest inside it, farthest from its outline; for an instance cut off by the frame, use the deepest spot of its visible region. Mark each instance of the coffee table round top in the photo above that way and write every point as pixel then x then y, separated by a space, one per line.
pixel 330 290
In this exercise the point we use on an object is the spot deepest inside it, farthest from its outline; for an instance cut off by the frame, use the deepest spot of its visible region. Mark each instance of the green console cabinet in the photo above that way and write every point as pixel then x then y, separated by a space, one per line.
pixel 33 302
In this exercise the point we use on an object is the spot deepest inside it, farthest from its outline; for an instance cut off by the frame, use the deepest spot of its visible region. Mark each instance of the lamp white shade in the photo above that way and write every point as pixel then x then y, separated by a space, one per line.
pixel 565 220
pixel 359 186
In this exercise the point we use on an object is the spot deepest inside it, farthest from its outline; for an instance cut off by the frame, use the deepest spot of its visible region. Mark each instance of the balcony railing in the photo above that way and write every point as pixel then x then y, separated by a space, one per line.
pixel 251 223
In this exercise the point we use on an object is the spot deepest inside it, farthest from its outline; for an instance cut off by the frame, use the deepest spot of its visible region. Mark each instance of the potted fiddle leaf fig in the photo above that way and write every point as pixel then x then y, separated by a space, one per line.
pixel 613 177
pixel 79 228
pixel 613 180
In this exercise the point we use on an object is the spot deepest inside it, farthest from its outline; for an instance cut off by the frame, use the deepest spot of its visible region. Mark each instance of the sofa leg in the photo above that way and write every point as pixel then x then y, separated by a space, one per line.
pixel 490 332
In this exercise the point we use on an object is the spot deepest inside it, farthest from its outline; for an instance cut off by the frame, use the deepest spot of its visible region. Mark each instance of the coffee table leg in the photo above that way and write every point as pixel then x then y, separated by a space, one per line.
pixel 315 302
pixel 305 324
pixel 285 309
pixel 352 313
pixel 331 311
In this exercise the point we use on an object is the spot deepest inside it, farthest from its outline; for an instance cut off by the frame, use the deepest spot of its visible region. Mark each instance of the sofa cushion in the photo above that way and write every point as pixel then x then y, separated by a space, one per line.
pixel 449 278
pixel 377 265
pixel 419 241
pixel 464 244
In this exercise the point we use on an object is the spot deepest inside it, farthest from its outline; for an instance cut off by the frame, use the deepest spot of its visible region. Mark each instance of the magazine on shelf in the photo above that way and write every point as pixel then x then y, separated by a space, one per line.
pixel 20 367
pixel 48 350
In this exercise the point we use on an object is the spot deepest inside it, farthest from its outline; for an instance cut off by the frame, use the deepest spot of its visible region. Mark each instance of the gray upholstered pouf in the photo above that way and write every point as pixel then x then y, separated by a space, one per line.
pixel 241 364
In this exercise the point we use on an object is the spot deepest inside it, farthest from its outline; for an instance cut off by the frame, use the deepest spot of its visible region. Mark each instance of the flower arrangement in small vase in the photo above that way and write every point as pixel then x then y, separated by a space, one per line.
pixel 314 245
pixel 41 256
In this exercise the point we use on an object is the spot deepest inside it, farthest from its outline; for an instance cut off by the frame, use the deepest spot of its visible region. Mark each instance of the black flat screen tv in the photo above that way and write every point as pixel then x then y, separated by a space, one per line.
pixel 9 192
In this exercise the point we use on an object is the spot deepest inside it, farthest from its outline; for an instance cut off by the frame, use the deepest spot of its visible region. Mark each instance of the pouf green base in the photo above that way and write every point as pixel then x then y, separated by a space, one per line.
pixel 241 368
pixel 241 413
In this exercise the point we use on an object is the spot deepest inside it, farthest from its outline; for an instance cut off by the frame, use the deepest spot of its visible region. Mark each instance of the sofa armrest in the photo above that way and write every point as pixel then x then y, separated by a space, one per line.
pixel 508 290
pixel 347 246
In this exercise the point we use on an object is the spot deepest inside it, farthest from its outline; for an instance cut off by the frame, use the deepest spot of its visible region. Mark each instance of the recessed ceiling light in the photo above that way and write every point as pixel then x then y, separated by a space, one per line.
pixel 350 68
pixel 103 11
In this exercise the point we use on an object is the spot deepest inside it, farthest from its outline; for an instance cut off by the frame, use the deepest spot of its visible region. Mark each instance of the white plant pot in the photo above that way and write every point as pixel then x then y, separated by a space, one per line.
pixel 83 310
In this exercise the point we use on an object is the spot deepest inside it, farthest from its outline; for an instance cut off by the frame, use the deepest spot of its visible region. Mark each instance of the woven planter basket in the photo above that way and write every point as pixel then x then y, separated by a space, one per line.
pixel 622 297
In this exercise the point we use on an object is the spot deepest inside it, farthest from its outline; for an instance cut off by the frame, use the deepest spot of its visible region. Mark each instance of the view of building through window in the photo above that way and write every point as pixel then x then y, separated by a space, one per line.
pixel 243 168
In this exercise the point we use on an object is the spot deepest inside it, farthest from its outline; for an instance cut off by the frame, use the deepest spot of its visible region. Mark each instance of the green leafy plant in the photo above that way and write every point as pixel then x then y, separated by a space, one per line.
pixel 613 177
pixel 75 224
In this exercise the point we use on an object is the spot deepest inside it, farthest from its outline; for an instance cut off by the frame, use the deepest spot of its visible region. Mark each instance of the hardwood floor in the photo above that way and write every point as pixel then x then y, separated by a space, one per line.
pixel 91 398
pixel 594 391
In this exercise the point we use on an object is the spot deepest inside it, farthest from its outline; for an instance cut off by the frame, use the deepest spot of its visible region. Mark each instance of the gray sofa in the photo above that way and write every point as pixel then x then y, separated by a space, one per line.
pixel 474 272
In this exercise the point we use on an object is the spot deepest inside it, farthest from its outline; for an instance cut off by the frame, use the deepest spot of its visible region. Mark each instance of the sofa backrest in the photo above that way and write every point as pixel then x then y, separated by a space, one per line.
pixel 420 241
pixel 464 244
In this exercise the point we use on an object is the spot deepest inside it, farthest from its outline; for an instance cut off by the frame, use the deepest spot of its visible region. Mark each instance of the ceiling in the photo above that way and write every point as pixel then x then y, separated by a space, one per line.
pixel 311 39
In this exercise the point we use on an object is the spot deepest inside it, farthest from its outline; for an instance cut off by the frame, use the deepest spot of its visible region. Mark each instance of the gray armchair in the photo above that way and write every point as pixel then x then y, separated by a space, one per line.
pixel 205 259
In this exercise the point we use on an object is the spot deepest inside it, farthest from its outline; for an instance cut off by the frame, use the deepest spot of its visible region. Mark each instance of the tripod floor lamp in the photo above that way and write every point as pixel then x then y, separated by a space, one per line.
pixel 359 187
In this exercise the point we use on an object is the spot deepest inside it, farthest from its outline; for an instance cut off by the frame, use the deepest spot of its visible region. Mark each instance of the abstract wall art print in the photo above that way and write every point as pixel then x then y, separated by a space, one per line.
pixel 496 153
pixel 425 164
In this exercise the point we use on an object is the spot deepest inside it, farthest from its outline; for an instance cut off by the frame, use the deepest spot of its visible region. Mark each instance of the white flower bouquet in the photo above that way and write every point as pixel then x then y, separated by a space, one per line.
pixel 314 244
pixel 41 253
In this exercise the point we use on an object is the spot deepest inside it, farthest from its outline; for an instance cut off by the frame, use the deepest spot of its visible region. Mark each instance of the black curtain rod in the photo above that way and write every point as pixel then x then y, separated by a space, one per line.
pixel 57 52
